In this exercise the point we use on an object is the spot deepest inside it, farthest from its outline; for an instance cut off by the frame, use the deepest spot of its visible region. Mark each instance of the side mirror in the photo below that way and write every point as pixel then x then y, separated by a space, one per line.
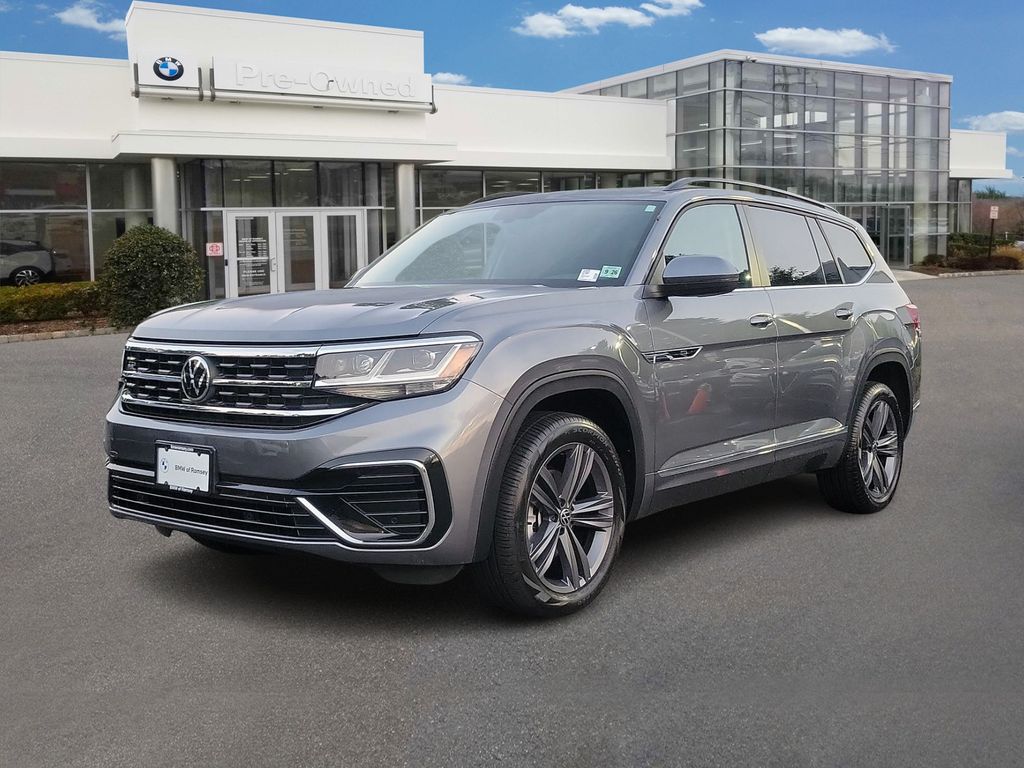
pixel 698 276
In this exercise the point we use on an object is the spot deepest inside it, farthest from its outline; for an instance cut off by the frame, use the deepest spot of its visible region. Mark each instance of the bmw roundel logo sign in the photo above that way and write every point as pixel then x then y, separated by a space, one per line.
pixel 168 68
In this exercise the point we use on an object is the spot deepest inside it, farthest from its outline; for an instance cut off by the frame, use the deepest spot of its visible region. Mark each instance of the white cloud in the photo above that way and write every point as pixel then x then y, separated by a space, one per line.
pixel 5 7
pixel 1008 121
pixel 450 78
pixel 573 19
pixel 1014 152
pixel 672 7
pixel 831 42
pixel 86 14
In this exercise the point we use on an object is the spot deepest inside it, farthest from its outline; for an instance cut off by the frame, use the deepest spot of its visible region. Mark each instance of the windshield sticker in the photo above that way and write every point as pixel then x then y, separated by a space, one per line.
pixel 650 209
pixel 588 276
pixel 613 272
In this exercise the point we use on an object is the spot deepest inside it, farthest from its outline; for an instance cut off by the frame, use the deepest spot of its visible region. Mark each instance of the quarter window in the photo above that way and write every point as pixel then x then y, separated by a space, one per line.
pixel 785 244
pixel 710 230
pixel 853 258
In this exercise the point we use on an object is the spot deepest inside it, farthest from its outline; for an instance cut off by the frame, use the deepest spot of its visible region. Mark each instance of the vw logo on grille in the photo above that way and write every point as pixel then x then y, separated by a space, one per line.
pixel 196 379
pixel 168 68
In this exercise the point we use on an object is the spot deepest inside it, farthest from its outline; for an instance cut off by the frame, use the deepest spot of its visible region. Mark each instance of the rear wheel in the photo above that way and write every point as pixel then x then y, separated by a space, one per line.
pixel 865 479
pixel 560 518
pixel 24 276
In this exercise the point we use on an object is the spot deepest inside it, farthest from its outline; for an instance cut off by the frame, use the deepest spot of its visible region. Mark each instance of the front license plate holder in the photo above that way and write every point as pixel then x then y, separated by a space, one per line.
pixel 186 468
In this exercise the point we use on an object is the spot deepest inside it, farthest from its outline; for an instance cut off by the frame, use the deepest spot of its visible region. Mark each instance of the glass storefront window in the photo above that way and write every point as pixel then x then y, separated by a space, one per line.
pixel 900 91
pixel 847 117
pixel 662 86
pixel 901 186
pixel 248 184
pixel 846 152
pixel 449 188
pixel 612 90
pixel 341 184
pixel 789 79
pixel 875 87
pixel 900 154
pixel 637 89
pixel 819 184
pixel 818 114
pixel 874 118
pixel 717 75
pixel 64 235
pixel 560 181
pixel 875 186
pixel 25 186
pixel 759 77
pixel 658 178
pixel 755 148
pixel 848 186
pixel 511 181
pixel 756 110
pixel 213 183
pixel 926 122
pixel 788 112
pixel 693 80
pixel 107 227
pixel 788 149
pixel 692 150
pixel 789 179
pixel 943 94
pixel 899 119
pixel 873 152
pixel 848 85
pixel 120 185
pixel 926 92
pixel 732 74
pixel 692 113
pixel 294 184
pixel 819 82
pixel 926 154
pixel 819 150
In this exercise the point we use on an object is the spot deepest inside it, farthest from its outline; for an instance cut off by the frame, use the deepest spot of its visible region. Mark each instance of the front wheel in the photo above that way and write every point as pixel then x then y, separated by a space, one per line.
pixel 865 479
pixel 25 276
pixel 560 518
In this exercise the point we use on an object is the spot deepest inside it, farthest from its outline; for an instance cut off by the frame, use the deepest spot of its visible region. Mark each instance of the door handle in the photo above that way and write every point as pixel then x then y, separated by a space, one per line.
pixel 761 320
pixel 844 313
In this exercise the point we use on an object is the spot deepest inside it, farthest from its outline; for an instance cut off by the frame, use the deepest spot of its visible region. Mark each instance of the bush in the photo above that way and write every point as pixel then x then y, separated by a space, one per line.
pixel 49 301
pixel 148 269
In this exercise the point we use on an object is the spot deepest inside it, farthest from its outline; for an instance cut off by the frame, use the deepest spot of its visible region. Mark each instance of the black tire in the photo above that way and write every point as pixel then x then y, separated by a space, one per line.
pixel 508 577
pixel 24 276
pixel 844 486
pixel 224 547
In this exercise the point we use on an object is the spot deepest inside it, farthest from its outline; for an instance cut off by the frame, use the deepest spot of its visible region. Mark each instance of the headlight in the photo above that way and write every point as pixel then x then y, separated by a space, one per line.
pixel 390 370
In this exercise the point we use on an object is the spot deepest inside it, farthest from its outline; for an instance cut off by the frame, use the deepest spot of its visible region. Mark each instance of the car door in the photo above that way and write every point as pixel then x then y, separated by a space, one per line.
pixel 814 314
pixel 714 358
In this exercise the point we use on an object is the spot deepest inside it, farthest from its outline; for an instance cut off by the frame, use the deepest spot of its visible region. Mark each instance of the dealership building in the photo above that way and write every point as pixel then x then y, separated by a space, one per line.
pixel 291 151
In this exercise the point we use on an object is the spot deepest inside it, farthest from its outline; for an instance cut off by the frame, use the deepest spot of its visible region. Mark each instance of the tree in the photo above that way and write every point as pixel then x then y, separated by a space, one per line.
pixel 991 193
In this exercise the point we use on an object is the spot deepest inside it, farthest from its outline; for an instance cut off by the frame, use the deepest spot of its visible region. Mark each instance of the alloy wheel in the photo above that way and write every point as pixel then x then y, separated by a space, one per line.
pixel 24 277
pixel 571 518
pixel 879 454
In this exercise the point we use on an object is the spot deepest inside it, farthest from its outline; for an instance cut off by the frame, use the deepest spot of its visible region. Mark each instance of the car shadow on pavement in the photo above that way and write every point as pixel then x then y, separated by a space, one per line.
pixel 300 589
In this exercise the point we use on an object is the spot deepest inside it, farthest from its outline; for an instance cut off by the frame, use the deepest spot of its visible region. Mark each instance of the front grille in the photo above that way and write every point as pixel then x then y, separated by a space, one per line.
pixel 257 387
pixel 231 509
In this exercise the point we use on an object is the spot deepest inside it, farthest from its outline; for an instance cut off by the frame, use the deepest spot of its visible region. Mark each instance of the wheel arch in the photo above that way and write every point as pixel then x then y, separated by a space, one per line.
pixel 889 367
pixel 575 391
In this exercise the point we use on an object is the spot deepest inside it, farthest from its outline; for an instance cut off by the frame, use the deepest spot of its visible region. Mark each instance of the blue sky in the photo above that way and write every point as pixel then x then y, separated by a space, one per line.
pixel 550 45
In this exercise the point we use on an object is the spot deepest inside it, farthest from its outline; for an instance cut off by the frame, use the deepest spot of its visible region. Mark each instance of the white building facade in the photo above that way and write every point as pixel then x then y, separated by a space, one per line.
pixel 290 151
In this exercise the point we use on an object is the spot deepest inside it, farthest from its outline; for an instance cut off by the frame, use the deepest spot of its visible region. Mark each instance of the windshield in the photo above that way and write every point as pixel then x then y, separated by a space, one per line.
pixel 559 243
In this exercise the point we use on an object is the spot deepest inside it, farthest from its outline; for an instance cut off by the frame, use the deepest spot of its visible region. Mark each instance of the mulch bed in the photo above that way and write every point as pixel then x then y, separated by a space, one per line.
pixel 49 326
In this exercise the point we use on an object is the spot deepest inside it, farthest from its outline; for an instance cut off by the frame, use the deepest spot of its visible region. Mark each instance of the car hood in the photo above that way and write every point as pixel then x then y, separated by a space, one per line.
pixel 323 316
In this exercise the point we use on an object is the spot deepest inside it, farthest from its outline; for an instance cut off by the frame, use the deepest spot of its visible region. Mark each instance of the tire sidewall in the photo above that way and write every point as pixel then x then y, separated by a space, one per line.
pixel 564 431
pixel 873 394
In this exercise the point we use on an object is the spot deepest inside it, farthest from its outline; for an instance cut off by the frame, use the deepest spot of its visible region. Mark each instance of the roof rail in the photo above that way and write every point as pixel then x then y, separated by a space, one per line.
pixel 499 195
pixel 693 181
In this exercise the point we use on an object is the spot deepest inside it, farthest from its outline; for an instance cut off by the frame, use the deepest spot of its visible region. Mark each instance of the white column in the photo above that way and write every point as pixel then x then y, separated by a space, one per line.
pixel 165 193
pixel 405 194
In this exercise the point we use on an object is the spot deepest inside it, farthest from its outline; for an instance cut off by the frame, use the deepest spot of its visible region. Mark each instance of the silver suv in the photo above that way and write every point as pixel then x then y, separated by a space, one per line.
pixel 515 381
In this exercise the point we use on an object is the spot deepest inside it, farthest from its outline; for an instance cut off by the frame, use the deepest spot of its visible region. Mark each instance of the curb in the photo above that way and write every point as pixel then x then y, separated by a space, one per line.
pixel 74 333
pixel 983 273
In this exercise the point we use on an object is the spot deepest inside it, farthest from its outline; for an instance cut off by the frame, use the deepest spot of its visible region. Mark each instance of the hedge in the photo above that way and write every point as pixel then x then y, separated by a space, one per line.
pixel 148 269
pixel 49 301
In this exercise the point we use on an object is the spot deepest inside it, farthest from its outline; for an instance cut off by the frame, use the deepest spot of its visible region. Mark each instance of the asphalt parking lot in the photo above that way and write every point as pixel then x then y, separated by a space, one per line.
pixel 761 628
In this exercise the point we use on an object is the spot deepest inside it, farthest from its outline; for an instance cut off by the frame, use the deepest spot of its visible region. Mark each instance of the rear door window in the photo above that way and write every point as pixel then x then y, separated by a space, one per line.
pixel 854 260
pixel 824 254
pixel 784 242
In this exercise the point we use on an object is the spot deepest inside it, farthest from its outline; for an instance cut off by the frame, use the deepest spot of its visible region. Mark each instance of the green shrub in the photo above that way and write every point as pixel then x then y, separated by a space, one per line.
pixel 49 301
pixel 148 269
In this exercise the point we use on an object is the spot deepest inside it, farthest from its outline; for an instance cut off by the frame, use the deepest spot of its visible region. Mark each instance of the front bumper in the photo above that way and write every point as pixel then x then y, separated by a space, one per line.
pixel 446 434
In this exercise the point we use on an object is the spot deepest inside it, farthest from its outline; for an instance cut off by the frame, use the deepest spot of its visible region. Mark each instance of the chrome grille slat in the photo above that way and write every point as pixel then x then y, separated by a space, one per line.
pixel 257 386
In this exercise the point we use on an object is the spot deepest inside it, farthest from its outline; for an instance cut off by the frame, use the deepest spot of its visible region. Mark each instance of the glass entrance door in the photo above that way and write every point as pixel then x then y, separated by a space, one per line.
pixel 272 251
